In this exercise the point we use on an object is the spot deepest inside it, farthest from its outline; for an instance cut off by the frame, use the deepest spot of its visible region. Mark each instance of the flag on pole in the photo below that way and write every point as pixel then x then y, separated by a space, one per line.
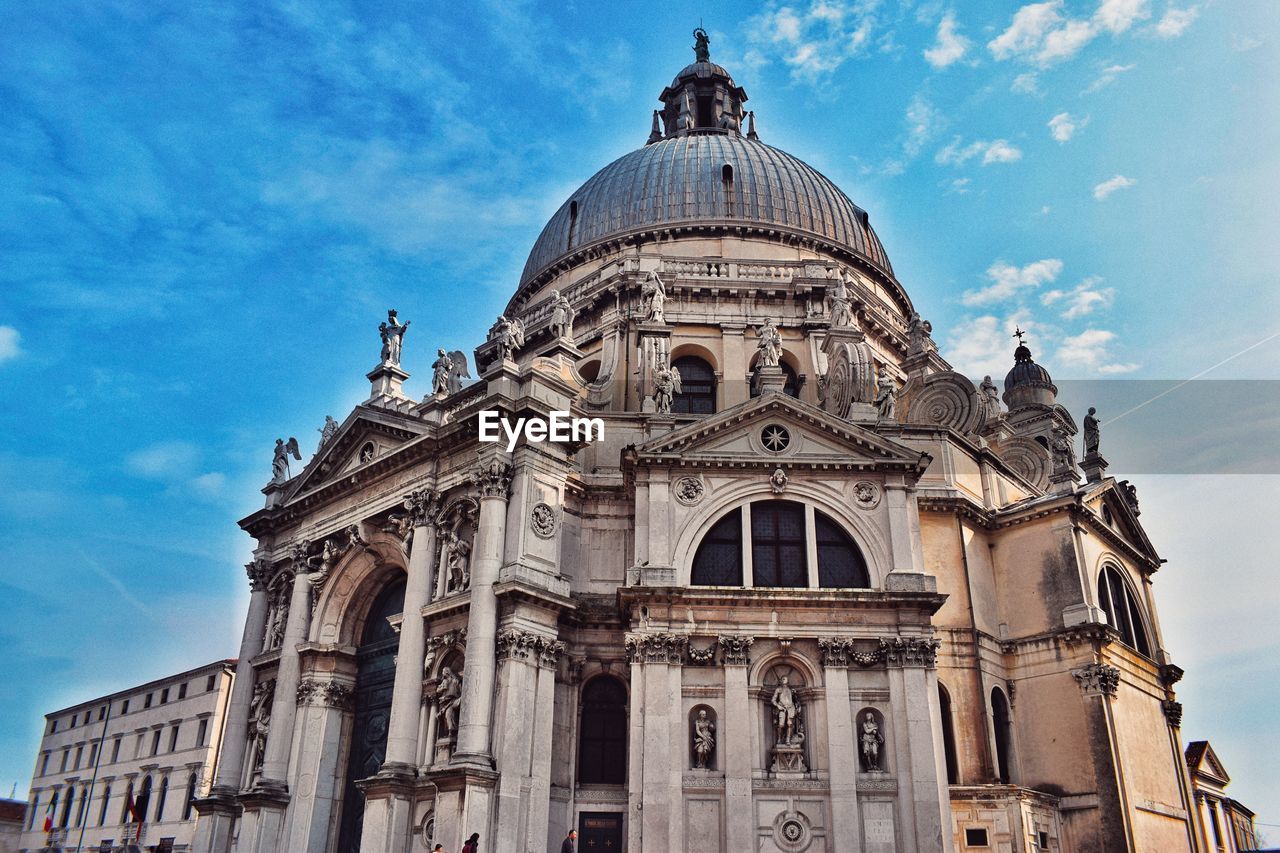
pixel 131 806
pixel 48 815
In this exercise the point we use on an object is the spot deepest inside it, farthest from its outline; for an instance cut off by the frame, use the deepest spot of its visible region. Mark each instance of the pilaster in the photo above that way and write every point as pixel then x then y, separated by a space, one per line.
pixel 737 729
pixel 846 824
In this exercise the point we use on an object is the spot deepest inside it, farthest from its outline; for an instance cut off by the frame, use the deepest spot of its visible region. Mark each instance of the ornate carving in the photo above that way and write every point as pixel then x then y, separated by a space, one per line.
pixel 850 376
pixel 1173 712
pixel 834 652
pixel 1097 679
pixel 549 652
pixel 944 399
pixel 264 693
pixel 493 479
pixel 689 490
pixel 423 506
pixel 778 481
pixel 704 740
pixel 542 518
pixel 702 657
pixel 1130 493
pixel 910 651
pixel 447 640
pixel 735 650
pixel 279 594
pixel 866 494
pixel 259 572
pixel 656 648
pixel 515 645
pixel 330 694
pixel 1027 458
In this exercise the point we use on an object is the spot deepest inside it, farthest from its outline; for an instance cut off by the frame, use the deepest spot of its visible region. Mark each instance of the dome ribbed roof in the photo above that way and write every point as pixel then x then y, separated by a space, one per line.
pixel 1026 372
pixel 680 181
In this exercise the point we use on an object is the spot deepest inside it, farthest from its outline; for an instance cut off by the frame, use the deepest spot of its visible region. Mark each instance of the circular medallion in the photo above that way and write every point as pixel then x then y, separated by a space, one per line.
pixel 791 832
pixel 866 494
pixel 775 438
pixel 689 490
pixel 543 520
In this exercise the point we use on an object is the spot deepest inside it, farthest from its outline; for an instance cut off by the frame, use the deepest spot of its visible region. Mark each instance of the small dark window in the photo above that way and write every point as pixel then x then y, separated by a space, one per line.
pixel 106 801
pixel 53 726
pixel 948 735
pixel 160 798
pixel 182 690
pixel 573 224
pixel 698 387
pixel 202 732
pixel 706 109
pixel 44 764
pixel 35 809
pixel 124 707
pixel 155 742
pixel 726 173
pixel 173 739
pixel 602 739
pixel 66 807
pixel 79 755
pixel 66 757
pixel 718 561
pixel 73 721
pixel 115 748
pixel 102 712
pixel 1042 839
pixel 191 797
pixel 777 544
pixel 147 702
pixel 209 684
pixel 975 838
pixel 164 695
pixel 1003 726
pixel 93 754
pixel 840 563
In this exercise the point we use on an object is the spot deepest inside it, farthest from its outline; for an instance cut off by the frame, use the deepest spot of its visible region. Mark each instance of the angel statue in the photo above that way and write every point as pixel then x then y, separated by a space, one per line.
pixel 653 299
pixel 770 345
pixel 441 368
pixel 392 333
pixel 562 315
pixel 509 334
pixel 280 463
pixel 666 385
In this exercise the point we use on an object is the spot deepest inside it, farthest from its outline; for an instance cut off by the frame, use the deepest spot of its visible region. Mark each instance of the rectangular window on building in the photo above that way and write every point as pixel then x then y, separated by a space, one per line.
pixel 976 837
pixel 1042 838
pixel 53 726
pixel 79 755
pixel 173 739
pixel 146 703
pixel 124 707
pixel 102 713
pixel 164 695
pixel 35 809
pixel 73 721
pixel 182 690
pixel 137 748
pixel 93 753
pixel 202 732
pixel 115 749
pixel 44 764
pixel 155 742
pixel 66 756
pixel 208 685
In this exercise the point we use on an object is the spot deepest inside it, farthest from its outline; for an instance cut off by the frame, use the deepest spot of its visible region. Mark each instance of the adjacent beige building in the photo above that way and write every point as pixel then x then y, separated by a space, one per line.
pixel 1226 825
pixel 154 744
pixel 811 590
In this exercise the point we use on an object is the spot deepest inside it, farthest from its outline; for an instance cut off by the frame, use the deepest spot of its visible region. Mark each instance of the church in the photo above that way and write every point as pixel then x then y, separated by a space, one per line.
pixel 797 586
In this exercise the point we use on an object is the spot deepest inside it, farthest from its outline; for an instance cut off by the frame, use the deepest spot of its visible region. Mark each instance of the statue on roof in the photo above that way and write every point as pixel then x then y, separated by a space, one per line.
pixel 886 396
pixel 562 315
pixel 770 345
pixel 392 333
pixel 701 45
pixel 509 334
pixel 1091 433
pixel 327 432
pixel 841 304
pixel 280 461
pixel 653 298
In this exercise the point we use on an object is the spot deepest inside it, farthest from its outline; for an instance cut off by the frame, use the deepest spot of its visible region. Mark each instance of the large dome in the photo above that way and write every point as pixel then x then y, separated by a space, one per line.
pixel 682 181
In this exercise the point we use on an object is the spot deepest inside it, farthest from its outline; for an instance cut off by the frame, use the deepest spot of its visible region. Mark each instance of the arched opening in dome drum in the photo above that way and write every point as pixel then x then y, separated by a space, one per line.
pixel 573 224
pixel 726 180
pixel 698 387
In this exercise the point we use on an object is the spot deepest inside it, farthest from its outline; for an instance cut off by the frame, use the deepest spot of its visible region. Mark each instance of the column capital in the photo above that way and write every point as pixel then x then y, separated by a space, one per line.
pixel 493 478
pixel 908 651
pixel 1097 679
pixel 514 644
pixel 735 649
pixel 259 572
pixel 329 694
pixel 656 648
pixel 1173 713
pixel 834 652
pixel 423 506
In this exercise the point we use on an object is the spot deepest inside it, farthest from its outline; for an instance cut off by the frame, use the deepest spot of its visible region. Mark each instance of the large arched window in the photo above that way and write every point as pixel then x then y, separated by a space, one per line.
pixel 191 797
pixel 697 387
pixel 781 535
pixel 948 735
pixel 1117 599
pixel 1003 726
pixel 602 733
pixel 718 561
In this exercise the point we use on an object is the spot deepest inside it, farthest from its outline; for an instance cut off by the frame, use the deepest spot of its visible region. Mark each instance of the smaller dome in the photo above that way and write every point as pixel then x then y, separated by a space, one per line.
pixel 1028 384
pixel 703 70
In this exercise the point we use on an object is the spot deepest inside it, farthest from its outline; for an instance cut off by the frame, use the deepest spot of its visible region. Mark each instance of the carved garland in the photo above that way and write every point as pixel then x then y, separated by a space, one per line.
pixel 891 651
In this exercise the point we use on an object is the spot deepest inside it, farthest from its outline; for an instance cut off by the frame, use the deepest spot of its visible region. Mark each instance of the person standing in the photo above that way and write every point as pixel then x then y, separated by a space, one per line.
pixel 473 844
pixel 570 844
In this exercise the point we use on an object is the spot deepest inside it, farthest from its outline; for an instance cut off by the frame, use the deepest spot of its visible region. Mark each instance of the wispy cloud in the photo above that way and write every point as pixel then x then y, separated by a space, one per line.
pixel 1026 83
pixel 1090 351
pixel 1084 298
pixel 1106 77
pixel 950 46
pixel 1175 22
pixel 1116 16
pixel 1062 126
pixel 994 151
pixel 10 343
pixel 1042 34
pixel 1007 280
pixel 1111 185
pixel 816 39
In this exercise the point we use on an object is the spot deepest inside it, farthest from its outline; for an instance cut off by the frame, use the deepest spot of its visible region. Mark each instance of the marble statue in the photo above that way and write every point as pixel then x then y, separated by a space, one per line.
pixel 457 562
pixel 653 299
pixel 770 345
pixel 990 397
pixel 562 315
pixel 704 740
pixel 448 695
pixel 260 720
pixel 841 304
pixel 918 331
pixel 327 432
pixel 280 462
pixel 869 740
pixel 887 395
pixel 441 370
pixel 509 334
pixel 392 333
pixel 666 385
pixel 329 555
pixel 785 712
pixel 1091 432
pixel 701 45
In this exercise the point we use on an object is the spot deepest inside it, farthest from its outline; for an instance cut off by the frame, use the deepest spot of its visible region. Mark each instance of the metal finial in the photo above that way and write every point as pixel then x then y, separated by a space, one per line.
pixel 1018 333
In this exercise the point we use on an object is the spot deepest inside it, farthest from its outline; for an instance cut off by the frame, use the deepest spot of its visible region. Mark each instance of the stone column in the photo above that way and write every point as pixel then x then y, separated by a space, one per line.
pixel 476 717
pixel 923 800
pixel 218 811
pixel 661 818
pixel 322 706
pixel 846 825
pixel 517 651
pixel 544 708
pixel 737 736
pixel 275 762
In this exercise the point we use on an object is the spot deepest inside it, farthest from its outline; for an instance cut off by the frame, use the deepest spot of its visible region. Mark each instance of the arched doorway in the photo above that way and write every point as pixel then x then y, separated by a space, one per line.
pixel 375 678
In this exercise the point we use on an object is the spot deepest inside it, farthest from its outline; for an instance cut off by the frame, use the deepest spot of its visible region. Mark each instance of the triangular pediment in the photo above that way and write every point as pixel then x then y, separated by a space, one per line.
pixel 366 436
pixel 748 435
pixel 1110 504
pixel 1205 762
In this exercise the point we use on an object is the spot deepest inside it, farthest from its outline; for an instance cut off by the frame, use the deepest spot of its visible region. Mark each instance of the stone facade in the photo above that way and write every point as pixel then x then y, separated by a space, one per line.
pixel 822 593
pixel 155 744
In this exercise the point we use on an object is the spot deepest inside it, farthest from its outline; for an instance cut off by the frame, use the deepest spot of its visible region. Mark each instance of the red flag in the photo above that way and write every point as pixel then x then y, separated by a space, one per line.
pixel 131 806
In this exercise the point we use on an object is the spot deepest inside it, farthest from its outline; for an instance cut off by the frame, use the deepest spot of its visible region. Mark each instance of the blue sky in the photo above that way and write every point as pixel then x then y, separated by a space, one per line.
pixel 206 208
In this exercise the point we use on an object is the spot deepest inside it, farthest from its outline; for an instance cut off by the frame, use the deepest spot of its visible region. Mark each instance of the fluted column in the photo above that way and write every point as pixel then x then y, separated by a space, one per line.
pixel 275 762
pixel 406 698
pixel 476 717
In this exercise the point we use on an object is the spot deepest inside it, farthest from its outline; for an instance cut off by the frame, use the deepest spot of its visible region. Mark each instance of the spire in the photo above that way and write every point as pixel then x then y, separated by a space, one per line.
pixel 702 99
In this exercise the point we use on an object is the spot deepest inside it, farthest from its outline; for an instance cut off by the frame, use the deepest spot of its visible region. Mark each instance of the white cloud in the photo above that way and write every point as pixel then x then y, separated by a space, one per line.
pixel 922 119
pixel 1026 83
pixel 10 343
pixel 983 346
pixel 950 47
pixel 166 460
pixel 210 484
pixel 1175 22
pixel 1063 126
pixel 994 151
pixel 1083 299
pixel 959 186
pixel 816 39
pixel 1106 77
pixel 1116 16
pixel 1065 42
pixel 1008 280
pixel 1089 351
pixel 1107 187
pixel 1039 33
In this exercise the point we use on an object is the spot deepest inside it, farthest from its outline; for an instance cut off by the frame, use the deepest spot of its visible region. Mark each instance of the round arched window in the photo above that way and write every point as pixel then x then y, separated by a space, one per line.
pixel 697 387
pixel 1121 606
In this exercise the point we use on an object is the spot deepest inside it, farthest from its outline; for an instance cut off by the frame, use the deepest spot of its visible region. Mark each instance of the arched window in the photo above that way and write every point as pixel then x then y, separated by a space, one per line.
pixel 777 544
pixel 697 387
pixel 840 563
pixel 124 804
pixel 718 561
pixel 602 733
pixel 106 801
pixel 66 808
pixel 1004 731
pixel 143 800
pixel 191 797
pixel 160 798
pixel 948 735
pixel 1117 599
pixel 791 388
pixel 35 809
pixel 573 224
